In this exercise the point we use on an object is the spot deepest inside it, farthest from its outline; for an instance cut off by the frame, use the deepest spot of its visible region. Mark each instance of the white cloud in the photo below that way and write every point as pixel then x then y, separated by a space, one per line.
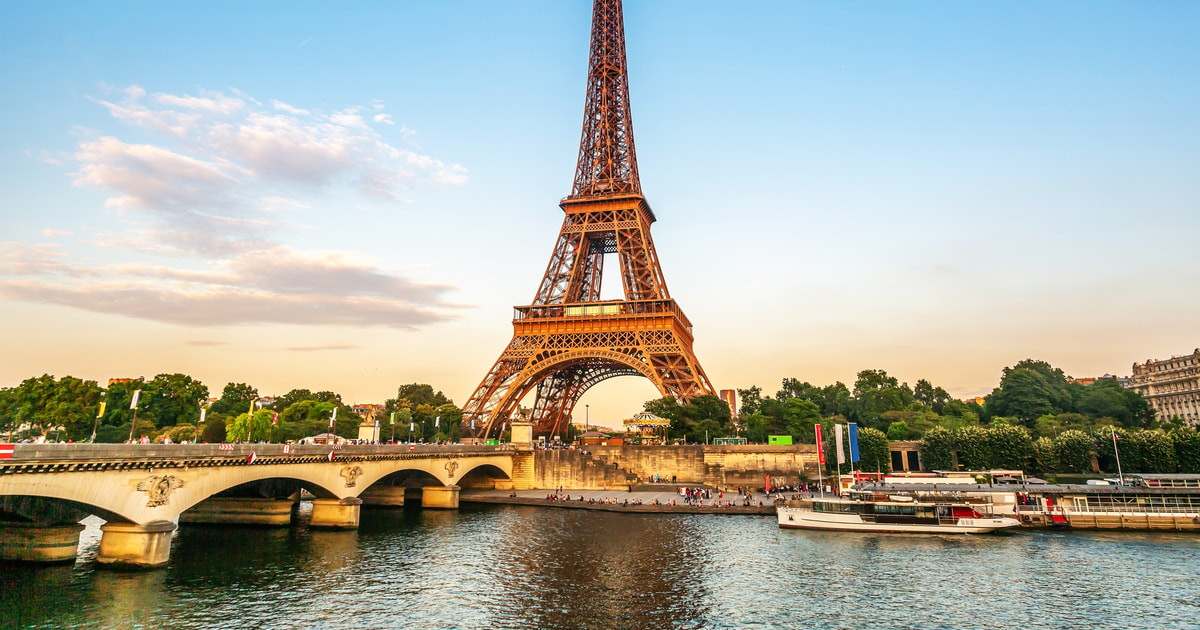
pixel 52 233
pixel 284 107
pixel 216 103
pixel 210 191
pixel 152 177
pixel 384 118
pixel 276 285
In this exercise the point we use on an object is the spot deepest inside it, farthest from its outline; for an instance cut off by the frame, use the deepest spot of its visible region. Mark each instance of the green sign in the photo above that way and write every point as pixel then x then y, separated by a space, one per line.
pixel 493 442
pixel 782 440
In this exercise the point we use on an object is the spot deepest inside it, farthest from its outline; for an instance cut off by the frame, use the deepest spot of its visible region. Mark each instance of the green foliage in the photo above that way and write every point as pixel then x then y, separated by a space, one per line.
pixel 1027 393
pixel 1187 449
pixel 877 393
pixel 935 398
pixel 937 449
pixel 181 432
pixel 235 399
pixel 214 430
pixel 974 448
pixel 898 431
pixel 1106 456
pixel 239 429
pixel 173 398
pixel 691 420
pixel 1043 460
pixel 873 452
pixel 1149 451
pixel 1010 447
pixel 64 408
pixel 801 415
pixel 1073 450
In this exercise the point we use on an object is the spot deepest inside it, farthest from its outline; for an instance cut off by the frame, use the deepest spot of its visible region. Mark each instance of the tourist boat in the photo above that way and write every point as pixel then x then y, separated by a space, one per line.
pixel 891 514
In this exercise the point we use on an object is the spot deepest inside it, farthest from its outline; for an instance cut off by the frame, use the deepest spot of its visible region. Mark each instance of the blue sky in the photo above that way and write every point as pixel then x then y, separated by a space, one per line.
pixel 354 197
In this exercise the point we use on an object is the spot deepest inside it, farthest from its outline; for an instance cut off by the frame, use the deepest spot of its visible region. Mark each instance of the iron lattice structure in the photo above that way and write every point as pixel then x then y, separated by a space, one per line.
pixel 569 339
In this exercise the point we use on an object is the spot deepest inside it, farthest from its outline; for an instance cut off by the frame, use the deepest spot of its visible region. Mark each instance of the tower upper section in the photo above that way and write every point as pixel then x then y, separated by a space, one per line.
pixel 607 162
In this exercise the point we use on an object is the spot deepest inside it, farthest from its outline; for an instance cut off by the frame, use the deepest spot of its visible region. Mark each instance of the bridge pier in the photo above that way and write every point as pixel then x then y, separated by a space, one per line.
pixel 380 495
pixel 440 497
pixel 133 546
pixel 336 513
pixel 240 511
pixel 31 542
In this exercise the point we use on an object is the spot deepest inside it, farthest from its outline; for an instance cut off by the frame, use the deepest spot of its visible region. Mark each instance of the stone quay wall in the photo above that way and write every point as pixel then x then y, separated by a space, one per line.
pixel 716 466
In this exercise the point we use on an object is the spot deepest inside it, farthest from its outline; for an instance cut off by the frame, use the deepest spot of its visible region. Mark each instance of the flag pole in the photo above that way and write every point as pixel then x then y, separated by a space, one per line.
pixel 133 405
pixel 820 463
pixel 1117 452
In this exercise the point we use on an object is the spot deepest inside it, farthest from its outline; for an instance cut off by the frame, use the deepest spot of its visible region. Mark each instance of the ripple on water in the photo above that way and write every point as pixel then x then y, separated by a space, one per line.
pixel 512 567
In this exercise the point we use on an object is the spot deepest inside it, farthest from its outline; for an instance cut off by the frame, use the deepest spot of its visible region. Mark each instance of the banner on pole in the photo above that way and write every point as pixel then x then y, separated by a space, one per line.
pixel 133 403
pixel 841 454
pixel 820 451
pixel 853 443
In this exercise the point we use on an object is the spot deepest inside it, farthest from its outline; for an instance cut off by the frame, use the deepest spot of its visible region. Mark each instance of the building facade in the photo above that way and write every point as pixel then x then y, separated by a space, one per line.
pixel 1171 386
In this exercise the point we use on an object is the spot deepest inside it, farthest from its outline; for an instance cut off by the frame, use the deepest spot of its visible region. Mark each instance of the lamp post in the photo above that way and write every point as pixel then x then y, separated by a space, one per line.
pixel 587 418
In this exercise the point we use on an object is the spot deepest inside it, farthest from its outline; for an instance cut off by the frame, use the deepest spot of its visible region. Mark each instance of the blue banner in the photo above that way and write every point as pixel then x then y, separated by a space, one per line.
pixel 853 443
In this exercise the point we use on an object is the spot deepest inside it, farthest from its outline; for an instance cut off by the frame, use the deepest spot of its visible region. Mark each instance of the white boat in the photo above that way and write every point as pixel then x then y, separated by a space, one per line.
pixel 890 515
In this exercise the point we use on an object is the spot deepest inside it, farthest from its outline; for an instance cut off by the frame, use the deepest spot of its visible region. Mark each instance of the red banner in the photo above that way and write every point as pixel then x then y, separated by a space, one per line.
pixel 6 451
pixel 820 451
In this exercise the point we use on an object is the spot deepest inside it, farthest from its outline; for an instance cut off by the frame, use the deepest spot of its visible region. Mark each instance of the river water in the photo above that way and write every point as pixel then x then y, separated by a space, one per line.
pixel 525 567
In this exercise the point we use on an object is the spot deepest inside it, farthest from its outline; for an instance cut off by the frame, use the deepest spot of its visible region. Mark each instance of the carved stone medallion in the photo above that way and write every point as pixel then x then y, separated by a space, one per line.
pixel 158 488
pixel 351 473
pixel 451 466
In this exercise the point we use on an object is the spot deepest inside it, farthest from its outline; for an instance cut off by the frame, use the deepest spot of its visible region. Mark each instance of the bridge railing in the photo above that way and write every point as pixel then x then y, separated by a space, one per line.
pixel 60 452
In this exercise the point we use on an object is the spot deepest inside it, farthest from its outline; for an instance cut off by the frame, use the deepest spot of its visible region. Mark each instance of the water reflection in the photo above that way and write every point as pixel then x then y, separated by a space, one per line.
pixel 514 567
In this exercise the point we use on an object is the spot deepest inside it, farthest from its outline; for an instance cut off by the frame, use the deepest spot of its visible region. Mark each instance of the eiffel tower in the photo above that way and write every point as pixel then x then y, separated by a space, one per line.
pixel 569 339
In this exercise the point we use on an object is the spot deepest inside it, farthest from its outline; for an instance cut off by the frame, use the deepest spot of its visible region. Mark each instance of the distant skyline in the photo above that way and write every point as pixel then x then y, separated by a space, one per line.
pixel 353 198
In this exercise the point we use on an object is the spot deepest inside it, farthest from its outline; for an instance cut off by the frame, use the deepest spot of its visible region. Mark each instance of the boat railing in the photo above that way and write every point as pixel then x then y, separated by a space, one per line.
pixel 1190 510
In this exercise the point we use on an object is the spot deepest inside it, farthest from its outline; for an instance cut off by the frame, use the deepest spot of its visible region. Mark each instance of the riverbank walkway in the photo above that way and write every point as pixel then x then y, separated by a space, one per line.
pixel 644 502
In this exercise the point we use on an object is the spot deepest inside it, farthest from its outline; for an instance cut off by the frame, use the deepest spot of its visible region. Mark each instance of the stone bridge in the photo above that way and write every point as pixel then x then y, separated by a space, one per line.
pixel 142 490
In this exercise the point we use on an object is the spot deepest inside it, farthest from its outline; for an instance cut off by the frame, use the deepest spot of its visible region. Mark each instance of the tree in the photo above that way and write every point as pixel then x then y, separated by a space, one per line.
pixel 1187 449
pixel 214 430
pixel 974 448
pixel 292 397
pixel 1044 460
pixel 1074 451
pixel 937 449
pixel 1011 446
pixel 239 429
pixel 935 398
pixel 235 399
pixel 422 394
pixel 66 408
pixel 1028 390
pixel 1149 451
pixel 877 393
pixel 897 431
pixel 874 454
pixel 174 398
pixel 837 401
pixel 751 399
pixel 801 415
pixel 181 432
